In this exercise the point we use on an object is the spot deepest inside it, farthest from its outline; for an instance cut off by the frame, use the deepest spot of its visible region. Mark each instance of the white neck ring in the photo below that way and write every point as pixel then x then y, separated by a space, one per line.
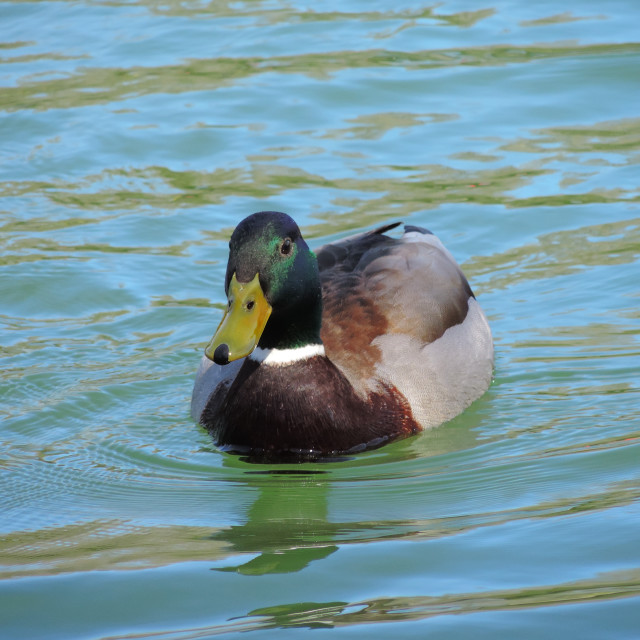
pixel 281 357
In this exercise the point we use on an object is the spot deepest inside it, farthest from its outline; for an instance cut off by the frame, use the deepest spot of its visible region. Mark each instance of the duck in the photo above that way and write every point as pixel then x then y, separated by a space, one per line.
pixel 342 349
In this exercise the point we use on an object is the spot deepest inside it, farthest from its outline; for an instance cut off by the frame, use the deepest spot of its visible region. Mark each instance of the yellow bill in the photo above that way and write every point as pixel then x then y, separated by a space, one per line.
pixel 242 324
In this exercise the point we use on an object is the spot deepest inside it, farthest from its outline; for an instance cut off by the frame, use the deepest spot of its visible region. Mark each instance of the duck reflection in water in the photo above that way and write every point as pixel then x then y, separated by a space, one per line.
pixel 302 512
pixel 288 523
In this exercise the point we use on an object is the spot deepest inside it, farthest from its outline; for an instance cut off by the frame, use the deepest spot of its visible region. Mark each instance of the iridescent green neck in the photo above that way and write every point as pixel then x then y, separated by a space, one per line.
pixel 296 326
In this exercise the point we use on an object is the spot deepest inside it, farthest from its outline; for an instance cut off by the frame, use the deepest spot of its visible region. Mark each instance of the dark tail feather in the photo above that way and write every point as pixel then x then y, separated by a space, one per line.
pixel 387 227
pixel 410 227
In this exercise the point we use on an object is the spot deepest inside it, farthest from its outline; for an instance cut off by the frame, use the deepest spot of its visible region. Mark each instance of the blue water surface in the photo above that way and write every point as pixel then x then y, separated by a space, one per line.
pixel 136 135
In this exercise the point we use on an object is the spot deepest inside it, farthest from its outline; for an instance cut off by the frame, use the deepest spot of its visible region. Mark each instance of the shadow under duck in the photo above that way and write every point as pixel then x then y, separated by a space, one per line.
pixel 365 340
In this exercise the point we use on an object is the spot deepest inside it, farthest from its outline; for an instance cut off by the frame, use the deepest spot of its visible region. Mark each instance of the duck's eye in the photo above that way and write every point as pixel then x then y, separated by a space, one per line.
pixel 285 248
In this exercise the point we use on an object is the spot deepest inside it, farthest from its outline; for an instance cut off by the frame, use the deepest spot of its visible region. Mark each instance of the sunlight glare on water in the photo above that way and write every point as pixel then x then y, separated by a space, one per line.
pixel 136 135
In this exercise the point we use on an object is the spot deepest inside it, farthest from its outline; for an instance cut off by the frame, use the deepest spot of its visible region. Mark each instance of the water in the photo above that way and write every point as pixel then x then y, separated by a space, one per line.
pixel 135 135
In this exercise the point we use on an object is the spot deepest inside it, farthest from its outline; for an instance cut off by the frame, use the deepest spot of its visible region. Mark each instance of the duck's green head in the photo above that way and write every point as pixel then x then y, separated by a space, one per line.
pixel 273 290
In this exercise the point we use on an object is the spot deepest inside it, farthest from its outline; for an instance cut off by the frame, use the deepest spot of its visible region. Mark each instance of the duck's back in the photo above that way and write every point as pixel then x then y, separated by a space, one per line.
pixel 400 312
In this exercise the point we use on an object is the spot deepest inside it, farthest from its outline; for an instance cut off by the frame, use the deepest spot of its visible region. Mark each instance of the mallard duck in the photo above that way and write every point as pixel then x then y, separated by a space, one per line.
pixel 365 340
